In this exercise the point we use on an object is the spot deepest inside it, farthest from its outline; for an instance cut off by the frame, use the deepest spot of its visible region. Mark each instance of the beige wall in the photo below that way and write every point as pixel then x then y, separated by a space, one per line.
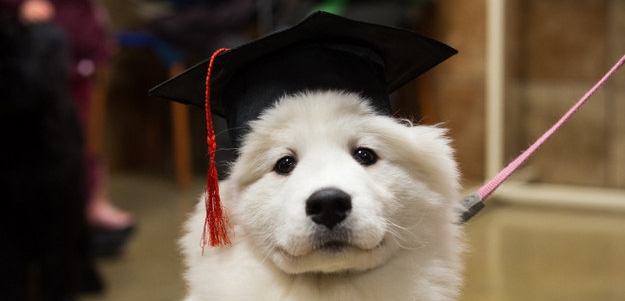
pixel 459 82
pixel 556 50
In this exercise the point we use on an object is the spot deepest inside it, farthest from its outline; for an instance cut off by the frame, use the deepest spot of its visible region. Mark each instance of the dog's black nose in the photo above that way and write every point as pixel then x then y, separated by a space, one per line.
pixel 328 206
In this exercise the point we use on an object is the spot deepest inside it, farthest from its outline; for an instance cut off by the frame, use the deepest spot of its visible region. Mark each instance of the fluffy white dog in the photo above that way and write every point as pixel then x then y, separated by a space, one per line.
pixel 330 201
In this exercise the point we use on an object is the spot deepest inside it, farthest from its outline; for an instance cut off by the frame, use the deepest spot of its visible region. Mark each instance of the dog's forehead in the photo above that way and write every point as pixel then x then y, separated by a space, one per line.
pixel 324 115
pixel 314 107
pixel 316 124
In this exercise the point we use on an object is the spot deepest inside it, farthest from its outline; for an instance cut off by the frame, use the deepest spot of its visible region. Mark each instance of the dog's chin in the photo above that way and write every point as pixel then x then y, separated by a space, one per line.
pixel 332 257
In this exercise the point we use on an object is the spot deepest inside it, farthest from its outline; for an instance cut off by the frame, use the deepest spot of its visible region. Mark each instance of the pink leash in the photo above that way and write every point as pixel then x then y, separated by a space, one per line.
pixel 473 203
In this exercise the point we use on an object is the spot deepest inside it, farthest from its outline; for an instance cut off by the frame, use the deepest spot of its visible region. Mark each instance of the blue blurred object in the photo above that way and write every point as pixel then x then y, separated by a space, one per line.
pixel 140 39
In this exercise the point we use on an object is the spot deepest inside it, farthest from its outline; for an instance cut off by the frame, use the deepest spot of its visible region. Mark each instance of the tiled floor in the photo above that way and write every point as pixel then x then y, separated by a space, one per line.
pixel 517 252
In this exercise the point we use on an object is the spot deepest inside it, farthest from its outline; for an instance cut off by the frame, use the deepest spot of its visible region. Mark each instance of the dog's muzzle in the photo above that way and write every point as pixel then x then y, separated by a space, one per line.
pixel 328 207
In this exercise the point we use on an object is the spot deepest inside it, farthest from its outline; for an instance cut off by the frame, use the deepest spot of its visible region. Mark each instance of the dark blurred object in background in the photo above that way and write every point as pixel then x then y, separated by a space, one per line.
pixel 43 229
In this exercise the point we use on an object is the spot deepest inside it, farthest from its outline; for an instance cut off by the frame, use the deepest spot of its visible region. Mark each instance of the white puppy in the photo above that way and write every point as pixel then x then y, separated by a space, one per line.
pixel 329 201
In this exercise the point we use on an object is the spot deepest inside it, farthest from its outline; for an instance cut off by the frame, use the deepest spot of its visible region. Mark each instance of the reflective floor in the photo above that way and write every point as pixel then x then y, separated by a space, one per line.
pixel 517 252
pixel 150 268
pixel 540 253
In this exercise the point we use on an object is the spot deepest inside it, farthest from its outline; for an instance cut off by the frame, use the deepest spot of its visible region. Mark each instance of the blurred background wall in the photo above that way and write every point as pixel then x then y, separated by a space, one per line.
pixel 556 50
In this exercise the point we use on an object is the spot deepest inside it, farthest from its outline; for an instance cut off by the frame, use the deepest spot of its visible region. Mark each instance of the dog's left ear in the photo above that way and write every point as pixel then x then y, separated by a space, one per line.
pixel 432 141
pixel 433 150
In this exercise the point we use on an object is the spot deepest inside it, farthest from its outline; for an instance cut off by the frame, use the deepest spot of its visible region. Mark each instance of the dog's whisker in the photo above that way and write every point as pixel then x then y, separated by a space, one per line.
pixel 222 132
pixel 269 246
pixel 269 250
pixel 226 131
pixel 404 237
pixel 225 149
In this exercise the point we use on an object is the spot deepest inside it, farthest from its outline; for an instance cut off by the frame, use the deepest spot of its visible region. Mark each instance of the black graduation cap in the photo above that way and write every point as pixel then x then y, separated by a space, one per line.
pixel 323 52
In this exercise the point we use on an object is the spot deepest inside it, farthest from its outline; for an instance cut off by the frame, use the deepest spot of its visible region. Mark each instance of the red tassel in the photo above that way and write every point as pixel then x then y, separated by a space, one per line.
pixel 216 224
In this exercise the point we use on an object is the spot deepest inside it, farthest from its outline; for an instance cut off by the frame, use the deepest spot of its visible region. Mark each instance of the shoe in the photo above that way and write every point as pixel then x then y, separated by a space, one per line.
pixel 108 243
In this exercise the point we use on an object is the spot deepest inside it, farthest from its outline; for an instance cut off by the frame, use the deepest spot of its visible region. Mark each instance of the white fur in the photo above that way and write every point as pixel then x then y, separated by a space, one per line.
pixel 404 242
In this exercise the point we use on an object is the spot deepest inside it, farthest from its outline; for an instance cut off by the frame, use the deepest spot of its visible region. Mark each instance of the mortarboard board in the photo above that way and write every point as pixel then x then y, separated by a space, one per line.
pixel 313 54
pixel 322 52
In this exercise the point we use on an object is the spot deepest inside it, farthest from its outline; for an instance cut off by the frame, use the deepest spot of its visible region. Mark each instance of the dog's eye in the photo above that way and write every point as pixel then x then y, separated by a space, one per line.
pixel 285 165
pixel 365 156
